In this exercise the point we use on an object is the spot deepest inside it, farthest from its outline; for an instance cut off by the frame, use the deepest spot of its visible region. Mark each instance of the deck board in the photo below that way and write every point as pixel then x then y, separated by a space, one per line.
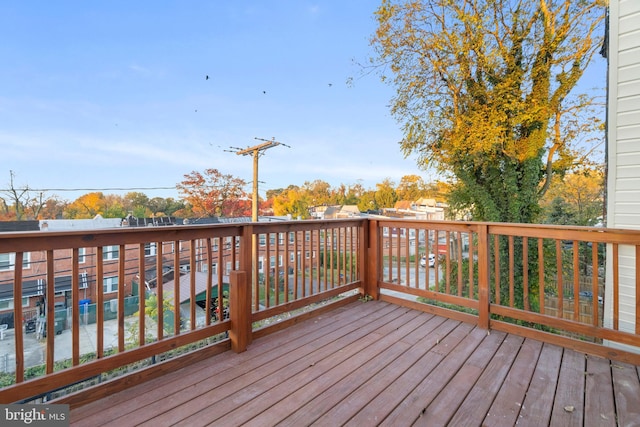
pixel 538 402
pixel 120 407
pixel 482 394
pixel 506 406
pixel 626 385
pixel 417 386
pixel 442 408
pixel 377 363
pixel 216 402
pixel 341 402
pixel 335 385
pixel 568 408
pixel 381 344
pixel 599 394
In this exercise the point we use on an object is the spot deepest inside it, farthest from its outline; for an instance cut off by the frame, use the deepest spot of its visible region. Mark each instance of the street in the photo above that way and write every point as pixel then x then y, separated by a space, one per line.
pixel 35 350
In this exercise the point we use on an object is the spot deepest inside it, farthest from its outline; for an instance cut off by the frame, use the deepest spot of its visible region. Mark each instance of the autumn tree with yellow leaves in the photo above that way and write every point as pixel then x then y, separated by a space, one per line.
pixel 95 203
pixel 485 93
pixel 292 201
pixel 577 199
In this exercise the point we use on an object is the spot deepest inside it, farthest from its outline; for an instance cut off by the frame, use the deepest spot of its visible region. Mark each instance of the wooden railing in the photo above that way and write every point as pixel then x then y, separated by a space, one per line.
pixel 159 290
pixel 536 280
pixel 151 292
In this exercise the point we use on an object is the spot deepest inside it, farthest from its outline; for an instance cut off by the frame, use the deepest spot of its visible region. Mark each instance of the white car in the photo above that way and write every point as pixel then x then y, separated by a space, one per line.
pixel 432 260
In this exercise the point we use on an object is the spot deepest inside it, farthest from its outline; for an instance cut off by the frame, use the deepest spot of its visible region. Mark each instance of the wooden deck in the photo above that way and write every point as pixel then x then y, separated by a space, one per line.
pixel 375 363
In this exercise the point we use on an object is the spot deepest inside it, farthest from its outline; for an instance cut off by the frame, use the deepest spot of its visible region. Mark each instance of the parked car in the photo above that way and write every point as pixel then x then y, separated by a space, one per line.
pixel 589 295
pixel 431 261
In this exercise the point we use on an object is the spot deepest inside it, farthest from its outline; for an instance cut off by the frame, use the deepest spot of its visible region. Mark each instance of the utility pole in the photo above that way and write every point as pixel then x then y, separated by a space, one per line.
pixel 256 151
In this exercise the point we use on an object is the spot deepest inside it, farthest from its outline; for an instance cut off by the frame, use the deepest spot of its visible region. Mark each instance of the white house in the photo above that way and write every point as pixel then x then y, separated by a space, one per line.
pixel 623 184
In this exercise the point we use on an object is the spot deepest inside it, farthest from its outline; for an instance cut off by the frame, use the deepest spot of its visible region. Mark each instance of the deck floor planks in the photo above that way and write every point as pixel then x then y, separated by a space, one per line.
pixel 473 410
pixel 207 403
pixel 538 402
pixel 317 389
pixel 385 346
pixel 598 400
pixel 196 379
pixel 406 397
pixel 377 363
pixel 568 408
pixel 339 403
pixel 451 397
pixel 626 388
pixel 505 408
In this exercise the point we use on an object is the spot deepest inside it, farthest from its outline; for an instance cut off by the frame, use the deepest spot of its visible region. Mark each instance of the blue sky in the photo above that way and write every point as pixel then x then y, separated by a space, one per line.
pixel 111 94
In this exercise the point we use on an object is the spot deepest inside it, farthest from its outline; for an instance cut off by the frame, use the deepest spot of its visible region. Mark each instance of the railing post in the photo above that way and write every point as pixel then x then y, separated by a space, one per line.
pixel 483 276
pixel 372 259
pixel 240 311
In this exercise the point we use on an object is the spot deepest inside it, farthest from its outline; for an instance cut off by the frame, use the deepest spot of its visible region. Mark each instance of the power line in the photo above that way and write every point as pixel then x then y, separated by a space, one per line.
pixel 104 189
pixel 88 189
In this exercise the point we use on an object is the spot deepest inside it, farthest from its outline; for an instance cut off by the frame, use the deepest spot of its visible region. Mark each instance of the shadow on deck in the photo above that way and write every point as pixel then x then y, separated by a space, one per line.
pixel 377 363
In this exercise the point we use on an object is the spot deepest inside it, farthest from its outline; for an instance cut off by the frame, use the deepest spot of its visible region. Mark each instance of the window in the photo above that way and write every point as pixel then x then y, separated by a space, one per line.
pixel 272 261
pixel 110 284
pixel 82 253
pixel 281 238
pixel 263 240
pixel 8 261
pixel 150 249
pixel 214 268
pixel 228 267
pixel 7 304
pixel 292 236
pixel 260 264
pixel 110 252
pixel 215 245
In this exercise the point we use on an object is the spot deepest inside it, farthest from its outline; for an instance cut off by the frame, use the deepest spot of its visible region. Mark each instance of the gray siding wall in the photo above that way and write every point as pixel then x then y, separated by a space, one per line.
pixel 623 185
